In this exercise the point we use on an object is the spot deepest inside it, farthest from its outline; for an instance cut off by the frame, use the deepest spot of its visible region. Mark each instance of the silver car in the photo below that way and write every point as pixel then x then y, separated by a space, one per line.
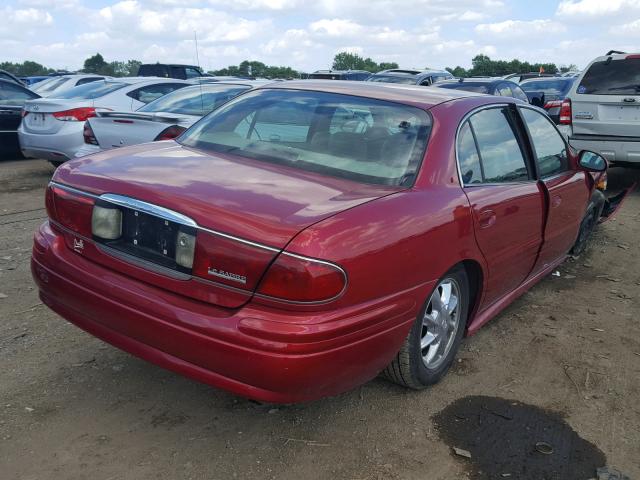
pixel 53 86
pixel 51 128
pixel 602 109
pixel 161 119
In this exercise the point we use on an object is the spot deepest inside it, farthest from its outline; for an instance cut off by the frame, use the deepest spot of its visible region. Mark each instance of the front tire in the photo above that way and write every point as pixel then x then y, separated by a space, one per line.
pixel 434 339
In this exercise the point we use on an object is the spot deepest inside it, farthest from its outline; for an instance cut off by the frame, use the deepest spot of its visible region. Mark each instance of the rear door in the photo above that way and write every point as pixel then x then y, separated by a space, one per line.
pixel 507 202
pixel 606 101
pixel 566 191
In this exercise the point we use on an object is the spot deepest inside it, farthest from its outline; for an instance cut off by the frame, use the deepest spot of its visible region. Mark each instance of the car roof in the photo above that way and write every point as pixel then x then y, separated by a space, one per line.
pixel 548 79
pixel 424 97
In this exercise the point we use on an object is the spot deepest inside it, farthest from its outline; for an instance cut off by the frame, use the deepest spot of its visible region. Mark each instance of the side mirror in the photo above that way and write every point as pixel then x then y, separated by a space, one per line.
pixel 592 161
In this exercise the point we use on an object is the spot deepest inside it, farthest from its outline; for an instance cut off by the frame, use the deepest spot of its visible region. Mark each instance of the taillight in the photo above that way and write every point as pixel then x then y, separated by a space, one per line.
pixel 553 104
pixel 227 261
pixel 71 210
pixel 300 279
pixel 89 136
pixel 169 133
pixel 24 113
pixel 565 112
pixel 75 114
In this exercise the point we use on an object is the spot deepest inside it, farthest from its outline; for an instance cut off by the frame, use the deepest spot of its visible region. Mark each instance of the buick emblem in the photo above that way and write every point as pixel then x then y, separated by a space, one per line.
pixel 78 245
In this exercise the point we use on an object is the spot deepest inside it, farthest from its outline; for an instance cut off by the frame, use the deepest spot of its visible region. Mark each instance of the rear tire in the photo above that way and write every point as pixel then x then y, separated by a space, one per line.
pixel 434 339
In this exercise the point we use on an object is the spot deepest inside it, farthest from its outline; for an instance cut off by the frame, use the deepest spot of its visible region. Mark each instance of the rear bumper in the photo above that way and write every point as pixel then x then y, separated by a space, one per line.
pixel 57 147
pixel 256 352
pixel 614 149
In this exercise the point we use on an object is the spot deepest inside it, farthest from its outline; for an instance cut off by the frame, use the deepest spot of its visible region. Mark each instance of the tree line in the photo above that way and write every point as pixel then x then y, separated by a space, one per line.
pixel 482 65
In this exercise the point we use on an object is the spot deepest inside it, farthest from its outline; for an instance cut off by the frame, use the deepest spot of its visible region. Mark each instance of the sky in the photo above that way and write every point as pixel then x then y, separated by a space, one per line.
pixel 307 34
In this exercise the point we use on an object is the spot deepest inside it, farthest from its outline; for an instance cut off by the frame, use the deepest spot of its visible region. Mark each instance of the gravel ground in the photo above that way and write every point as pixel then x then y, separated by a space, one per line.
pixel 72 407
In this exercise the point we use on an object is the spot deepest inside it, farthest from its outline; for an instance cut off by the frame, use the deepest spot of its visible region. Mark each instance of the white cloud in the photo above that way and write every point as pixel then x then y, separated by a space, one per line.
pixel 21 21
pixel 631 29
pixel 520 28
pixel 595 8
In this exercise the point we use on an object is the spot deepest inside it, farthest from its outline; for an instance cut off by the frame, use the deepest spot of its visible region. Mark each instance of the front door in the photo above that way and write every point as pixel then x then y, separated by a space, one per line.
pixel 507 202
pixel 565 189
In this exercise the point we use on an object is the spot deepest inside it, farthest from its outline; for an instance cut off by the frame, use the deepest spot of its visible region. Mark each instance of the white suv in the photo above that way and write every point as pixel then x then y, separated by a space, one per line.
pixel 602 109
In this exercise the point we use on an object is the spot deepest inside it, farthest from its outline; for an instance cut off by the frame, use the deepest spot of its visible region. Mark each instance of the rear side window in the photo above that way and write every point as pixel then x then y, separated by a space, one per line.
pixel 149 93
pixel 501 158
pixel 616 77
pixel 82 81
pixel 13 95
pixel 551 151
pixel 356 138
pixel 468 156
pixel 504 90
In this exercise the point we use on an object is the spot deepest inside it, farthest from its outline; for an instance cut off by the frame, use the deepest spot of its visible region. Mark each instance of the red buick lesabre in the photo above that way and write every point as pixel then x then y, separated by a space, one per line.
pixel 307 236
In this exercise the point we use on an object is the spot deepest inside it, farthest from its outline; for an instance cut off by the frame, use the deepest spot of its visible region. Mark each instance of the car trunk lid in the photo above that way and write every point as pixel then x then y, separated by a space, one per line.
pixel 246 211
pixel 39 117
pixel 121 129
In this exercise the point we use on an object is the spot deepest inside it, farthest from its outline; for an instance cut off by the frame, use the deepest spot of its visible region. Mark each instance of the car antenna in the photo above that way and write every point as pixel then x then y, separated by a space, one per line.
pixel 195 36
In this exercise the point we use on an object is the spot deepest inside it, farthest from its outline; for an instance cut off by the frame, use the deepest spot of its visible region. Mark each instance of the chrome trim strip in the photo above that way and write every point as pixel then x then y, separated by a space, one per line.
pixel 72 190
pixel 148 208
pixel 238 239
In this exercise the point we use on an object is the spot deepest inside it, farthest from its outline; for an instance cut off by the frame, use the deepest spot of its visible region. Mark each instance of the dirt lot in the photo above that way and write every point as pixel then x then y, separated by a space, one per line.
pixel 72 407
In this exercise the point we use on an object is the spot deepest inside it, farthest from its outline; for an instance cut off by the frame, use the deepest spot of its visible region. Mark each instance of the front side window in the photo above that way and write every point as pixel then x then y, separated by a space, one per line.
pixel 551 151
pixel 615 77
pixel 356 138
pixel 500 153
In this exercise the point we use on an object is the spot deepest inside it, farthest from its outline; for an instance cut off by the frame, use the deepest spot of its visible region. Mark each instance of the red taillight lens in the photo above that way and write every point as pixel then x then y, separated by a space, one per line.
pixel 89 136
pixel 300 279
pixel 75 114
pixel 24 113
pixel 71 210
pixel 169 133
pixel 553 104
pixel 565 112
pixel 230 262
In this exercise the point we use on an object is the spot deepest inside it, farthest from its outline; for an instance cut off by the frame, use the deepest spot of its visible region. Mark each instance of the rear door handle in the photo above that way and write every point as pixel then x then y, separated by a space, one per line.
pixel 487 218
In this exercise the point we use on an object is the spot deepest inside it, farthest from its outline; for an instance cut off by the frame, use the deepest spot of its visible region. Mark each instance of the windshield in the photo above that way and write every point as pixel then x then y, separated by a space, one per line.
pixel 616 77
pixel 361 139
pixel 92 90
pixel 548 87
pixel 198 100
pixel 392 79
pixel 49 85
pixel 465 86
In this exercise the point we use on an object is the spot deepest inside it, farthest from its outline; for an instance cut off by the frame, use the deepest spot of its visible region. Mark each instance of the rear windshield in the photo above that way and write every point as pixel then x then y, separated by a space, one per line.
pixel 92 90
pixel 325 76
pixel 152 71
pixel 195 100
pixel 392 79
pixel 548 87
pixel 361 139
pixel 465 86
pixel 618 77
pixel 50 85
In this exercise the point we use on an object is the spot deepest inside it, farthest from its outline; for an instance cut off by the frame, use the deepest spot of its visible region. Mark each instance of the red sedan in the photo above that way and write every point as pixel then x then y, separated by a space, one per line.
pixel 308 235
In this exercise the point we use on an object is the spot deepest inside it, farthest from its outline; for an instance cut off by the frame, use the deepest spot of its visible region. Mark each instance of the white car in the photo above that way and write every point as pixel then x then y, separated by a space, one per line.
pixel 51 128
pixel 162 119
pixel 56 85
